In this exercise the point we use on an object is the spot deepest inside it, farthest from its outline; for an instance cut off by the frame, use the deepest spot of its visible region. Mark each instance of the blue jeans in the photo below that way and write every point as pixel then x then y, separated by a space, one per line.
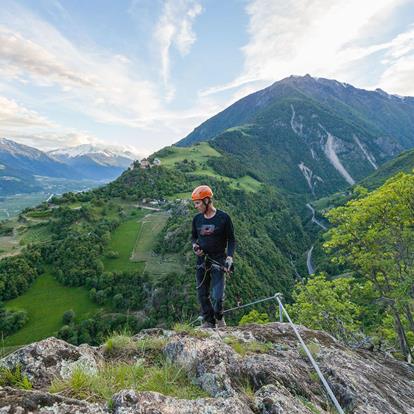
pixel 210 275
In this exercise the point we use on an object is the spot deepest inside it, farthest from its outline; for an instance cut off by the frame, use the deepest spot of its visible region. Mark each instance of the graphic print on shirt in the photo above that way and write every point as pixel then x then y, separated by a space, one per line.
pixel 207 229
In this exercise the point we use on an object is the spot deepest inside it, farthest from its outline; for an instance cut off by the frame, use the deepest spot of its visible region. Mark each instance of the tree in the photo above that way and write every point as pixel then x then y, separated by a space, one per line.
pixel 254 316
pixel 68 317
pixel 374 235
pixel 326 304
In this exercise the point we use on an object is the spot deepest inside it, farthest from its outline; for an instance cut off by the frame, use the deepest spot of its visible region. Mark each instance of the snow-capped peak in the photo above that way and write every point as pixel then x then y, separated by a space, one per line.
pixel 16 149
pixel 89 149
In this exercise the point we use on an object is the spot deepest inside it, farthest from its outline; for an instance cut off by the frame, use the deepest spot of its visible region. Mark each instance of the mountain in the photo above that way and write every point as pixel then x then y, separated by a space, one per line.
pixel 22 166
pixel 32 161
pixel 310 135
pixel 96 161
pixel 19 164
pixel 402 163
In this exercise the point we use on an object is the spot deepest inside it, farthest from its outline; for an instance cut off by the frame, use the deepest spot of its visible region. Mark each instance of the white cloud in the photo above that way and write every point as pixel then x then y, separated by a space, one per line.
pixel 398 78
pixel 28 127
pixel 22 56
pixel 14 115
pixel 48 140
pixel 320 37
pixel 102 85
pixel 174 29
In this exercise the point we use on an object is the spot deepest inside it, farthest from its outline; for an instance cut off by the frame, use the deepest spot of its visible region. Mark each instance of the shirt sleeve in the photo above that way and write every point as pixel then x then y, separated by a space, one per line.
pixel 231 241
pixel 194 235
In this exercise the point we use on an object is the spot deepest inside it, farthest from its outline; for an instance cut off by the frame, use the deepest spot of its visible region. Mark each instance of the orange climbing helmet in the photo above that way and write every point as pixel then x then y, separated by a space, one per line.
pixel 201 192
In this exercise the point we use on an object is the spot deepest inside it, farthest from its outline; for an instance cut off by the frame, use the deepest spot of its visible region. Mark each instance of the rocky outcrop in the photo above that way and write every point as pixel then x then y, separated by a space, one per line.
pixel 129 402
pixel 14 401
pixel 51 358
pixel 253 369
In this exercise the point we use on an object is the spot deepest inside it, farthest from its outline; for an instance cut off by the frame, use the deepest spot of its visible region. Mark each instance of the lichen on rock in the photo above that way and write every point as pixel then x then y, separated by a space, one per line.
pixel 270 376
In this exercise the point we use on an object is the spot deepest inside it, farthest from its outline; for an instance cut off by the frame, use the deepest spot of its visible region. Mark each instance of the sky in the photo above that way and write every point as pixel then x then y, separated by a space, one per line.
pixel 142 74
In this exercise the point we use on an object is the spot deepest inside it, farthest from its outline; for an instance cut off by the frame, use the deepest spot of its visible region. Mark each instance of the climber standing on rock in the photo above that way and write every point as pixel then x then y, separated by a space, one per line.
pixel 212 234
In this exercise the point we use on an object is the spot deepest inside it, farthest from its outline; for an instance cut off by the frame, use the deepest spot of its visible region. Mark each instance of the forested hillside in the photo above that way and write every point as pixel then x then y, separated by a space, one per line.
pixel 78 233
pixel 311 136
pixel 125 246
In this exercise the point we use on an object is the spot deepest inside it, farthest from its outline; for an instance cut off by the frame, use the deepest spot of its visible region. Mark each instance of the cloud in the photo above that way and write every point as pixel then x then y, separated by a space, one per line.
pixel 49 140
pixel 13 115
pixel 103 85
pixel 28 127
pixel 174 30
pixel 320 37
pixel 22 56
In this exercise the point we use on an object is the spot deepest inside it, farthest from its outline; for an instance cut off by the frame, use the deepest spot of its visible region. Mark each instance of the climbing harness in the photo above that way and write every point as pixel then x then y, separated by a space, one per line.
pixel 213 263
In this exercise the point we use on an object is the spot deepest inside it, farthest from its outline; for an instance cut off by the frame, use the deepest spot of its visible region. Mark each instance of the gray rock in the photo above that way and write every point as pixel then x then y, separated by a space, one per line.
pixel 129 401
pixel 272 399
pixel 14 401
pixel 51 358
pixel 280 376
pixel 210 361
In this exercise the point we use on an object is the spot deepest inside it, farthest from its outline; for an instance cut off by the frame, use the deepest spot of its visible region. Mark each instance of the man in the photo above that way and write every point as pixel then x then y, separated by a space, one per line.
pixel 212 233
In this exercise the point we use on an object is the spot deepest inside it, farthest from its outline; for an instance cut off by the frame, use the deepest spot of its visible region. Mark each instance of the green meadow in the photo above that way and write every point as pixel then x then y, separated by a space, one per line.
pixel 122 241
pixel 200 154
pixel 45 302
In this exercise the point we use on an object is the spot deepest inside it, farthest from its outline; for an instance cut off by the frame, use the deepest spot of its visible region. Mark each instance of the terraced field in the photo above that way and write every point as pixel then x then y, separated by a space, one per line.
pixel 151 226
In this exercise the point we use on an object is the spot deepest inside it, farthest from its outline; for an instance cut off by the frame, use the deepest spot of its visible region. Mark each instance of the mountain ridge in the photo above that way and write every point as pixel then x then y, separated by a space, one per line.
pixel 22 164
pixel 312 136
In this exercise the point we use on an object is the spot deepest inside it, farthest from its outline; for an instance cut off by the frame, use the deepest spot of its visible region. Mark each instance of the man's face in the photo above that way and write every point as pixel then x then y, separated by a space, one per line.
pixel 199 205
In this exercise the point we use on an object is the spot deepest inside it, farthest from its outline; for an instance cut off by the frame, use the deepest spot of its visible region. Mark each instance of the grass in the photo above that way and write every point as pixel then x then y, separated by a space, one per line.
pixel 113 377
pixel 244 348
pixel 122 344
pixel 14 378
pixel 246 388
pixel 314 349
pixel 6 350
pixel 123 241
pixel 45 302
pixel 134 240
pixel 246 183
pixel 151 226
pixel 36 234
pixel 180 196
pixel 185 328
pixel 39 213
pixel 309 405
pixel 199 153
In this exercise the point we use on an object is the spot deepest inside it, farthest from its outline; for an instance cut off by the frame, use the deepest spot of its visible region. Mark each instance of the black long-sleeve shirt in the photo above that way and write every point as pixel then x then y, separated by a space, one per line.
pixel 214 234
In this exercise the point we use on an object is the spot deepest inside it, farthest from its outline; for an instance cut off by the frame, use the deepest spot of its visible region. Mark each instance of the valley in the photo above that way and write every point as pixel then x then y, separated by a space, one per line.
pixel 126 244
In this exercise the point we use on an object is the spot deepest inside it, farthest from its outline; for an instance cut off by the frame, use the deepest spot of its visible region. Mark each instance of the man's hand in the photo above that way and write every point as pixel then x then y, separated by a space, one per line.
pixel 228 263
pixel 197 250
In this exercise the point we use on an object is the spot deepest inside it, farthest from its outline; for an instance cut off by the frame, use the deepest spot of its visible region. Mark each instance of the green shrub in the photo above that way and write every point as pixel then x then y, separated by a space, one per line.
pixel 254 317
pixel 68 317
